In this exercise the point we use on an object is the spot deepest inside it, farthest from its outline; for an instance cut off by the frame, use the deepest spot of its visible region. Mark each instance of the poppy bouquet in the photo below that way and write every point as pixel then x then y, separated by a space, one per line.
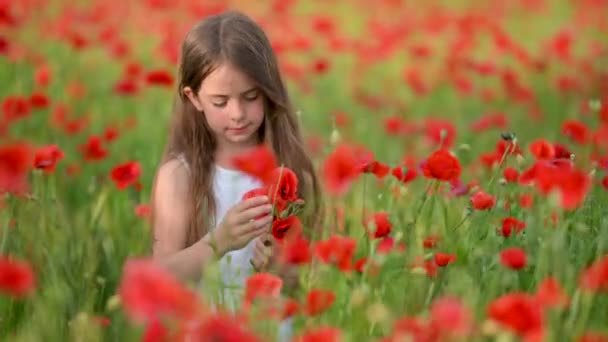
pixel 282 189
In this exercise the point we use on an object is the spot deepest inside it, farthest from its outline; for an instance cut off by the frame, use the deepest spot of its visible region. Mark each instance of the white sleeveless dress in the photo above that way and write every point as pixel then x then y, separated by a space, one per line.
pixel 229 186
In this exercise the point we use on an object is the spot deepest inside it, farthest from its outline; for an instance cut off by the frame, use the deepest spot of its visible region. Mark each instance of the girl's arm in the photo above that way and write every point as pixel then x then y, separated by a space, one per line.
pixel 170 207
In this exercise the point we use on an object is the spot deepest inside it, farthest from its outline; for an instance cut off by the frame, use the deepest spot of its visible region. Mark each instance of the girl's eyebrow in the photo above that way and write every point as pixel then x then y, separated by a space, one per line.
pixel 243 93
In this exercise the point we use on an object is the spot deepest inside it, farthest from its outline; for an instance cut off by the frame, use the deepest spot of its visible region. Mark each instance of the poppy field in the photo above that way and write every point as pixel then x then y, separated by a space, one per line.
pixel 461 148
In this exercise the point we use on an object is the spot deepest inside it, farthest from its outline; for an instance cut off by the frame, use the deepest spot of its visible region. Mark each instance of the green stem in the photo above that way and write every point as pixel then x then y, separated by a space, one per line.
pixel 500 164
pixel 425 196
pixel 10 212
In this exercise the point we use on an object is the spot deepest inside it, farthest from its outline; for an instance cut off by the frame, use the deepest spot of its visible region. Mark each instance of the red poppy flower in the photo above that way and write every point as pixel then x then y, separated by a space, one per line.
pixel 110 134
pixel 595 277
pixel 259 162
pixel 337 249
pixel 440 132
pixel 282 226
pixel 404 174
pixel 262 285
pixel 542 149
pixel 15 108
pixel 284 185
pixel 509 224
pixel 513 258
pixel 42 76
pixel 430 241
pixel 450 319
pixel 15 161
pixel 382 224
pixel 296 251
pixel 482 201
pixel 147 291
pixel 519 312
pixel 551 294
pixel 443 259
pixel 572 184
pixel 217 327
pixel 442 165
pixel 511 175
pixel 46 158
pixel 577 131
pixel 17 278
pixel 290 308
pixel 126 174
pixel 143 210
pixel 92 149
pixel 159 78
pixel 126 87
pixel 380 170
pixel 39 101
pixel 318 301
pixel 320 334
pixel 340 169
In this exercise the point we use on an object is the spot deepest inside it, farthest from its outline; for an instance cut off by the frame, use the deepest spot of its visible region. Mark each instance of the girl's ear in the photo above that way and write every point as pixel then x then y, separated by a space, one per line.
pixel 193 98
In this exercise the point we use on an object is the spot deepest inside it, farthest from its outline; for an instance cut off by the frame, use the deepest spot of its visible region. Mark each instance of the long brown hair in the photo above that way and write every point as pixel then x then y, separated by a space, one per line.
pixel 234 38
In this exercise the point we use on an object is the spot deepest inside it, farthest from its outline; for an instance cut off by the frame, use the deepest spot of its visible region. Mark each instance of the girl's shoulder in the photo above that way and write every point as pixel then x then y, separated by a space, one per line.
pixel 179 160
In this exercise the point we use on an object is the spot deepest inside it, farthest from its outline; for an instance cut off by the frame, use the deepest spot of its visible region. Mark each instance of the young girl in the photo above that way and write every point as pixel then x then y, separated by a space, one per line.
pixel 230 98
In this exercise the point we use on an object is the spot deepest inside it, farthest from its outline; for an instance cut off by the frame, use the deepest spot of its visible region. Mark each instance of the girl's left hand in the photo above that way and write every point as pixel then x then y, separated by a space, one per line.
pixel 262 253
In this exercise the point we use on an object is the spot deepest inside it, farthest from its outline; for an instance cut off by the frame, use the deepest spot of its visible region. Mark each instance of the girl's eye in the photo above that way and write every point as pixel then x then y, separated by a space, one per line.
pixel 220 104
pixel 252 97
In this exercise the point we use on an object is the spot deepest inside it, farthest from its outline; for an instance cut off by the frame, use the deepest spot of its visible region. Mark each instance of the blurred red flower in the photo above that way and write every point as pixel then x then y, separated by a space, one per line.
pixel 381 223
pixel 511 175
pixel 318 301
pixel 519 312
pixel 126 174
pixel 481 200
pixel 320 334
pixel 443 259
pixel 282 226
pixel 46 158
pixel 542 149
pixel 217 327
pixel 514 258
pixel 295 251
pixel 262 285
pixel 93 149
pixel 159 78
pixel 550 293
pixel 17 279
pixel 337 249
pixel 576 131
pixel 404 174
pixel 595 277
pixel 442 165
pixel 15 162
pixel 340 169
pixel 15 108
pixel 147 292
pixel 260 162
pixel 510 224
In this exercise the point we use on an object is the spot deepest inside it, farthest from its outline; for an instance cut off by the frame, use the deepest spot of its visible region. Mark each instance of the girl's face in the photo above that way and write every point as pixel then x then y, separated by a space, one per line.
pixel 232 105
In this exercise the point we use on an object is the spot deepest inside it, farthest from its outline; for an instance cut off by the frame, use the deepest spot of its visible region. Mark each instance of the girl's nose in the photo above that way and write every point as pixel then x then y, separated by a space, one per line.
pixel 237 111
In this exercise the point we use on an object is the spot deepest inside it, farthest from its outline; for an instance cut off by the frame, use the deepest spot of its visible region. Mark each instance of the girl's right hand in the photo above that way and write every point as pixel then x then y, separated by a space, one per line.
pixel 243 222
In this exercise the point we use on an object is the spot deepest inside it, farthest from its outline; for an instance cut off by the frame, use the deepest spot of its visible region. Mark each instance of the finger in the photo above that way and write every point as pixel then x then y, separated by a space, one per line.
pixel 252 202
pixel 258 262
pixel 253 264
pixel 254 212
pixel 253 224
pixel 248 236
pixel 267 252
